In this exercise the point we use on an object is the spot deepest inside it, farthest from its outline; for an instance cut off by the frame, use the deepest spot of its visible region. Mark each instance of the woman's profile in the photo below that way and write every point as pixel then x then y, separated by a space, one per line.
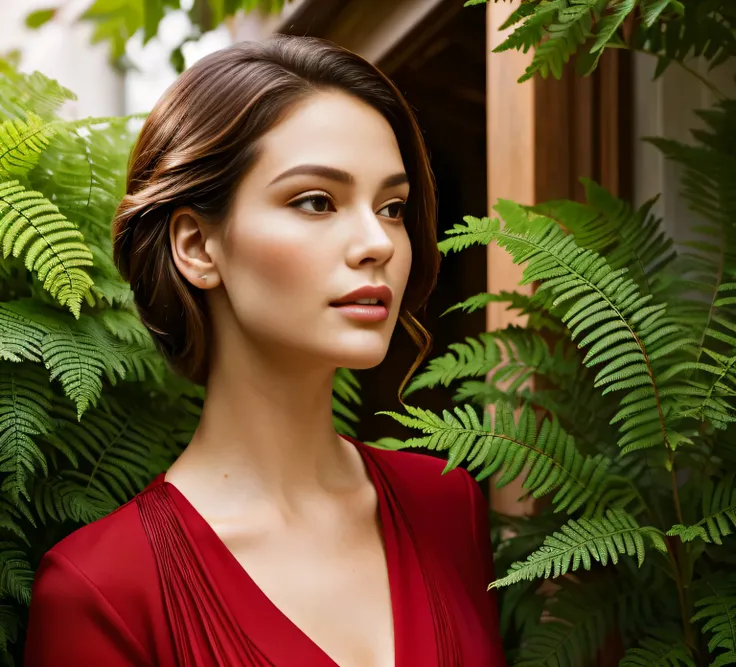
pixel 279 221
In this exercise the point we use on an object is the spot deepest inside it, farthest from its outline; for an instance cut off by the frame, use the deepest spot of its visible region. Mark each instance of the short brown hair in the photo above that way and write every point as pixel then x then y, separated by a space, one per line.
pixel 200 140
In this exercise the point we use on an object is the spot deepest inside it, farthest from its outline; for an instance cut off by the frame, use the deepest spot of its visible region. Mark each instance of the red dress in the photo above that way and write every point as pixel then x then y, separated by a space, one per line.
pixel 152 584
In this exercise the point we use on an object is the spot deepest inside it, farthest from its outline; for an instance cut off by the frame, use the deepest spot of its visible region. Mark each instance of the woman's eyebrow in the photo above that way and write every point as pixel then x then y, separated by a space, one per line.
pixel 337 175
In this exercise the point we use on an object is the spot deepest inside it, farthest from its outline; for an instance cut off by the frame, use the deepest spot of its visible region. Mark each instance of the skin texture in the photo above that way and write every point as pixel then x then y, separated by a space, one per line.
pixel 289 497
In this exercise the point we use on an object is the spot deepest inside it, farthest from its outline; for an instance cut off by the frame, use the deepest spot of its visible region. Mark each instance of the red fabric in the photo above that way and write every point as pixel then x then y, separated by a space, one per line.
pixel 151 584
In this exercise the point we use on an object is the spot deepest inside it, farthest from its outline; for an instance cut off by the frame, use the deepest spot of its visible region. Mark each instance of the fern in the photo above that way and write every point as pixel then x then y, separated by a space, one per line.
pixel 550 454
pixel 473 358
pixel 660 650
pixel 718 610
pixel 24 413
pixel 581 617
pixel 54 248
pixel 672 30
pixel 16 575
pixel 21 144
pixel 580 542
pixel 719 514
pixel 607 225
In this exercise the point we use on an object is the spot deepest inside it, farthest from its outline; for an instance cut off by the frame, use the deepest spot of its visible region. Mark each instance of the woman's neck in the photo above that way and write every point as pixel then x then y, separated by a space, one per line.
pixel 266 433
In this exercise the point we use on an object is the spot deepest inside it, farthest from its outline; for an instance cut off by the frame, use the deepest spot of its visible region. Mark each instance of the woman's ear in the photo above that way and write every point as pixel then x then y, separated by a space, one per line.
pixel 188 233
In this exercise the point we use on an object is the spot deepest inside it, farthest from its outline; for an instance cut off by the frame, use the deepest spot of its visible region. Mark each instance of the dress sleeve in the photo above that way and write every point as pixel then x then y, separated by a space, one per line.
pixel 72 623
pixel 482 537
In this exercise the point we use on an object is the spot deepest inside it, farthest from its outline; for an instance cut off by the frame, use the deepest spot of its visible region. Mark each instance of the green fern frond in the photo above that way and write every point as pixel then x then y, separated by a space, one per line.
pixel 80 356
pixel 25 401
pixel 580 542
pixel 21 144
pixel 718 610
pixel 476 231
pixel 9 517
pixel 473 358
pixel 535 310
pixel 345 388
pixel 20 92
pixel 580 617
pixel 61 498
pixel 608 226
pixel 548 457
pixel 719 513
pixel 9 627
pixel 659 650
pixel 20 337
pixel 16 575
pixel 126 326
pixel 54 248
pixel 116 441
pixel 633 338
pixel 83 170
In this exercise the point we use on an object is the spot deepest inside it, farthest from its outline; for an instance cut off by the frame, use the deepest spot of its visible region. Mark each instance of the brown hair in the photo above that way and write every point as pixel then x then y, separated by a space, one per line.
pixel 200 140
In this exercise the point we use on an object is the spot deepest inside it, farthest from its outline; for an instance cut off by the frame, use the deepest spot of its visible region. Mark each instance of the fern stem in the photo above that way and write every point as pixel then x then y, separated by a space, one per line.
pixel 687 628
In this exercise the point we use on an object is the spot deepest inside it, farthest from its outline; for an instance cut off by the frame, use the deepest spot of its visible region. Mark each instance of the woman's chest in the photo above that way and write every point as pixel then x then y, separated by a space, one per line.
pixel 332 587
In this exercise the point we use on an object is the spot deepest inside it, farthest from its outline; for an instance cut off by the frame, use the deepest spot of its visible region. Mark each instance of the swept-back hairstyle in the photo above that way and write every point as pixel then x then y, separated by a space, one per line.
pixel 202 138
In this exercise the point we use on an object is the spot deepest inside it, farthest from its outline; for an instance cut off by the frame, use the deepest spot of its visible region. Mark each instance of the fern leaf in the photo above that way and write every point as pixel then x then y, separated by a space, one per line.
pixel 473 358
pixel 660 650
pixel 9 626
pixel 719 514
pixel 580 617
pixel 607 225
pixel 549 455
pixel 83 170
pixel 718 610
pixel 16 575
pixel 117 442
pixel 608 314
pixel 54 248
pixel 21 144
pixel 20 92
pixel 25 401
pixel 579 543
pixel 476 231
pixel 20 337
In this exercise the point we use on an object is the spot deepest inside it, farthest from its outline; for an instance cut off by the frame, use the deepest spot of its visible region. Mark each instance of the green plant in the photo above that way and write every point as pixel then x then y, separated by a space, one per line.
pixel 671 30
pixel 616 405
pixel 628 428
pixel 89 412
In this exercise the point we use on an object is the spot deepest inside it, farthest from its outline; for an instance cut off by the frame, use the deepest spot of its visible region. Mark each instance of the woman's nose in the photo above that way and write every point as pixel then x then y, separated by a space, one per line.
pixel 371 241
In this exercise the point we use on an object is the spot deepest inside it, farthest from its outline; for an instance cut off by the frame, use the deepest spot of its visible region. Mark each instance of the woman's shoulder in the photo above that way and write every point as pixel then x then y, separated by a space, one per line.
pixel 96 596
pixel 112 538
pixel 421 480
pixel 109 558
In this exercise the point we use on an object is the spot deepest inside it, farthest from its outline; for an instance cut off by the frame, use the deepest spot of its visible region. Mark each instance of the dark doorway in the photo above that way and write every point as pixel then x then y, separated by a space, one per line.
pixel 441 69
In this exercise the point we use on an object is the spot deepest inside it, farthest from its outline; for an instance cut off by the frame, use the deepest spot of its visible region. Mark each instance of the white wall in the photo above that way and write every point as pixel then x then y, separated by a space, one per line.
pixel 61 50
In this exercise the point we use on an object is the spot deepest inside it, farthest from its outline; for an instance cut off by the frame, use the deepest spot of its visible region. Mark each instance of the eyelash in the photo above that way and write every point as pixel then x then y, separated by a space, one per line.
pixel 323 195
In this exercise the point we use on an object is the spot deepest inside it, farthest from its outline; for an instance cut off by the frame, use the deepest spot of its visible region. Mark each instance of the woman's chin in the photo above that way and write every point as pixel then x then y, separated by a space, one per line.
pixel 360 359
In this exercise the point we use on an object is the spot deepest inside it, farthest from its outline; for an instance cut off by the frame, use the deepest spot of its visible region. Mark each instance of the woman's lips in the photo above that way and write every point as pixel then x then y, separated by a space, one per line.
pixel 363 312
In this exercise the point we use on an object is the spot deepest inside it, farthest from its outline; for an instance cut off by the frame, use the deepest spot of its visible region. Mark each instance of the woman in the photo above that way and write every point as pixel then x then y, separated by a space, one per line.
pixel 279 219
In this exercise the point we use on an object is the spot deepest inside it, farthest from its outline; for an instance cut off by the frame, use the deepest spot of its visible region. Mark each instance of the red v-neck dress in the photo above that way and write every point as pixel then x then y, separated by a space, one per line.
pixel 152 584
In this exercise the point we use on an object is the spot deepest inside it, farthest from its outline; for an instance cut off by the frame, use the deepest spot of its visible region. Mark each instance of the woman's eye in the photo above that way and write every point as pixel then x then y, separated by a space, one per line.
pixel 316 203
pixel 395 210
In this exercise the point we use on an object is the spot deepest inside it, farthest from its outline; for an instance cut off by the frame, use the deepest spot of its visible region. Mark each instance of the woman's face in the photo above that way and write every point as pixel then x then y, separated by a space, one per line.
pixel 319 216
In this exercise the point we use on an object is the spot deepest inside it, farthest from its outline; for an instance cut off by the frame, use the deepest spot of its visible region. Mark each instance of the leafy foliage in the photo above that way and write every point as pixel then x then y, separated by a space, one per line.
pixel 89 412
pixel 671 30
pixel 615 405
pixel 718 610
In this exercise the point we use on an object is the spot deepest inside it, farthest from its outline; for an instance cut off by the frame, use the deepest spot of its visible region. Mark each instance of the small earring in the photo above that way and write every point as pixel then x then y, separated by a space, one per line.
pixel 204 277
